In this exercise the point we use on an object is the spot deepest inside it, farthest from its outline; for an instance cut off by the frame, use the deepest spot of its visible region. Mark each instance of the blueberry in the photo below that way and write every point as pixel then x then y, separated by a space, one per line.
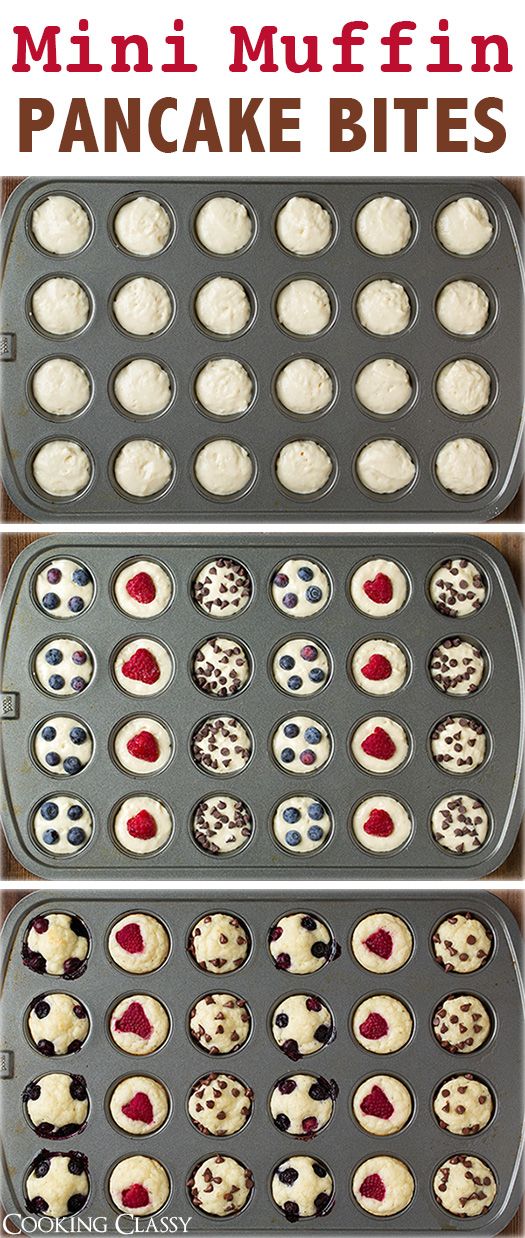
pixel 75 812
pixel 46 1047
pixel 42 1167
pixel 79 1011
pixel 79 656
pixel 42 1009
pixel 54 656
pixel 313 593
pixel 291 815
pixel 323 1033
pixel 48 733
pixel 290 601
pixel 54 575
pixel 316 811
pixel 77 735
pixel 313 735
pixel 291 730
pixel 52 758
pixel 75 1203
pixel 294 683
pixel 320 1090
pixel 78 683
pixel 56 682
pixel 31 1092
pixel 50 838
pixel 292 838
pixel 309 924
pixel 287 755
pixel 286 663
pixel 288 1176
pixel 281 580
pixel 50 601
pixel 315 833
pixel 72 765
pixel 76 836
pixel 309 653
pixel 281 1020
pixel 321 1201
pixel 49 810
pixel 75 604
pixel 81 577
pixel 316 674
pixel 305 573
pixel 321 949
pixel 77 1088
pixel 291 1209
pixel 319 1170
pixel 286 1086
pixel 282 1122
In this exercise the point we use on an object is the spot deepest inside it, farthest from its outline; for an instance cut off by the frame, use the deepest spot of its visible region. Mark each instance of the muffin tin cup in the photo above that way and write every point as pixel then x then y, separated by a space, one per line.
pixel 260 627
pixel 423 1064
pixel 263 266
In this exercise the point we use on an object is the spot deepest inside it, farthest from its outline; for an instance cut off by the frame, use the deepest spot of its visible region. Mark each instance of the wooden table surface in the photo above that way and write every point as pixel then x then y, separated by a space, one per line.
pixel 513 514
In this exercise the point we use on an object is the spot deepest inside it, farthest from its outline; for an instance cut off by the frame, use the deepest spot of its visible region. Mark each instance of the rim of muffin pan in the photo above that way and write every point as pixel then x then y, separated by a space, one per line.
pixel 64 779
pixel 490 930
pixel 398 1078
pixel 466 771
pixel 325 1004
pixel 153 970
pixel 111 1202
pixel 227 418
pixel 305 561
pixel 493 217
pixel 487 666
pixel 141 499
pixel 143 1074
pixel 245 649
pixel 323 283
pixel 42 997
pixel 45 567
pixel 129 279
pixel 128 851
pixel 362 562
pixel 467 419
pixel 46 850
pixel 369 717
pixel 381 636
pixel 307 1138
pixel 44 495
pixel 377 993
pixel 392 278
pixel 212 717
pixel 58 419
pixel 304 419
pixel 306 640
pixel 128 640
pixel 494 306
pixel 294 913
pixel 57 1139
pixel 134 995
pixel 394 971
pixel 224 336
pixel 293 495
pixel 302 856
pixel 122 722
pixel 59 636
pixel 227 993
pixel 438 567
pixel 476 1078
pixel 217 615
pixel 201 1082
pixel 369 851
pixel 313 720
pixel 414 220
pixel 311 195
pixel 403 491
pixel 243 925
pixel 132 197
pixel 142 419
pixel 237 197
pixel 131 562
pixel 56 336
pixel 378 419
pixel 237 494
pixel 456 795
pixel 74 196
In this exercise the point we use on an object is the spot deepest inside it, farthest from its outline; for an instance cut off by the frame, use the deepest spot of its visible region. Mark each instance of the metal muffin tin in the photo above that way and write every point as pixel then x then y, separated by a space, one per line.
pixel 422 1065
pixel 424 266
pixel 341 784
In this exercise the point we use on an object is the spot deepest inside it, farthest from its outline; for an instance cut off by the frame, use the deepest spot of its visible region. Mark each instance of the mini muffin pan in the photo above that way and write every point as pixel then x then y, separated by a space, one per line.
pixel 419 784
pixel 422 1065
pixel 424 267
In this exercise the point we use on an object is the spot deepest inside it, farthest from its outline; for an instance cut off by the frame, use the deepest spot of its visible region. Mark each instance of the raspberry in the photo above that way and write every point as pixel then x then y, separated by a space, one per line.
pixel 379 589
pixel 379 824
pixel 313 1003
pixel 378 744
pixel 283 962
pixel 130 938
pixel 376 1104
pixel 373 1187
pixel 141 588
pixel 135 1196
pixel 142 825
pixel 139 1108
pixel 309 1125
pixel 380 943
pixel 144 746
pixel 135 1020
pixel 142 666
pixel 377 667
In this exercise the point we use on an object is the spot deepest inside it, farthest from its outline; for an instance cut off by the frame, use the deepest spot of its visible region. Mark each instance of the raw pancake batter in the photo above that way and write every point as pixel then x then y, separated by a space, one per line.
pixel 302 1025
pixel 139 1105
pixel 223 387
pixel 463 387
pixel 62 825
pixel 219 943
pixel 142 226
pixel 60 225
pixel 383 1186
pixel 302 1105
pixel 300 588
pixel 143 387
pixel 303 307
pixel 380 745
pixel 301 745
pixel 58 1024
pixel 301 667
pixel 63 667
pixel 220 1023
pixel 304 226
pixel 223 226
pixel 379 587
pixel 458 588
pixel 143 746
pixel 385 466
pixel 221 745
pixel 383 307
pixel 460 823
pixel 62 468
pixel 465 1186
pixel 463 307
pixel 63 746
pixel 381 823
pixel 57 1105
pixel 138 943
pixel 143 468
pixel 463 1105
pixel 220 1186
pixel 302 824
pixel 143 667
pixel 382 943
pixel 57 1184
pixel 462 1023
pixel 222 824
pixel 220 1104
pixel 142 306
pixel 462 943
pixel 60 306
pixel 300 943
pixel 61 387
pixel 382 1024
pixel 382 1105
pixel 379 667
pixel 383 386
pixel 459 745
pixel 139 1186
pixel 463 466
pixel 142 825
pixel 304 386
pixel 303 466
pixel 302 1187
pixel 222 306
pixel 221 666
pixel 139 1025
pixel 457 666
pixel 56 945
pixel 143 589
pixel 64 588
pixel 223 467
pixel 464 226
pixel 222 587
pixel 384 226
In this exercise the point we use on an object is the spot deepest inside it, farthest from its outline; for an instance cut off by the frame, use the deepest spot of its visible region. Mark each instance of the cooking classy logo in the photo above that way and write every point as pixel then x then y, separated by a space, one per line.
pixel 16 1223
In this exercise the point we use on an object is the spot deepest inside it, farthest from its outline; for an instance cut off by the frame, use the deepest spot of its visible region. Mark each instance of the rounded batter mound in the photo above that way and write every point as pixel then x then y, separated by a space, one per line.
pixel 220 1105
pixel 463 307
pixel 62 825
pixel 379 587
pixel 57 1105
pixel 63 667
pixel 384 225
pixel 64 587
pixel 219 943
pixel 465 1186
pixel 384 466
pixel 221 745
pixel 459 745
pixel 143 589
pixel 223 225
pixel 62 468
pixel 220 1023
pixel 143 387
pixel 61 387
pixel 303 307
pixel 139 1105
pixel 458 588
pixel 56 945
pixel 462 1023
pixel 142 306
pixel 302 1187
pixel 304 226
pixel 58 1024
pixel 143 667
pixel 220 1186
pixel 304 386
pixel 223 467
pixel 381 824
pixel 460 824
pixel 463 387
pixel 60 225
pixel 301 667
pixel 139 1186
pixel 383 1186
pixel 62 746
pixel 222 824
pixel 142 468
pixel 300 944
pixel 302 1105
pixel 223 306
pixel 142 226
pixel 302 824
pixel 382 1105
pixel 138 943
pixel 222 587
pixel 463 466
pixel 380 745
pixel 379 667
pixel 60 306
pixel 142 825
pixel 462 943
pixel 221 666
pixel 303 466
pixel 139 1025
pixel 302 1025
pixel 383 307
pixel 457 666
pixel 464 226
pixel 300 588
pixel 382 1024
pixel 223 387
pixel 143 746
pixel 302 745
pixel 382 943
pixel 463 1105
pixel 57 1184
pixel 383 386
